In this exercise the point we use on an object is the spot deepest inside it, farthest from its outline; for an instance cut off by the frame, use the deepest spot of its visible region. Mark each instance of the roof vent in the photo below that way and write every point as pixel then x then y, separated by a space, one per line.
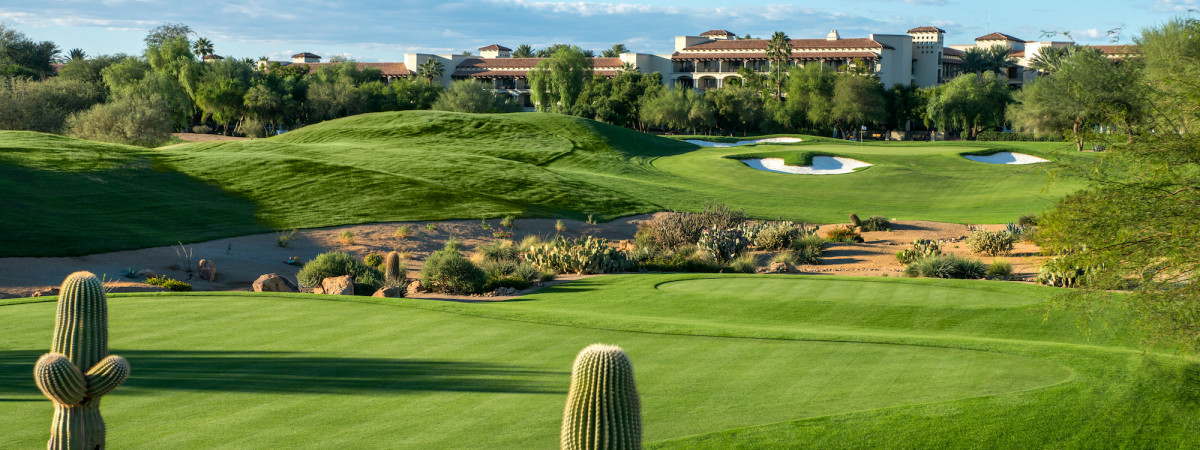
pixel 833 36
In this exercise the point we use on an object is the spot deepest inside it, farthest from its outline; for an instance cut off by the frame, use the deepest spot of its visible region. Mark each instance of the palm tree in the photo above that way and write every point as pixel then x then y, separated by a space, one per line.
pixel 980 60
pixel 615 51
pixel 628 67
pixel 523 51
pixel 202 47
pixel 1049 59
pixel 76 53
pixel 431 70
pixel 779 51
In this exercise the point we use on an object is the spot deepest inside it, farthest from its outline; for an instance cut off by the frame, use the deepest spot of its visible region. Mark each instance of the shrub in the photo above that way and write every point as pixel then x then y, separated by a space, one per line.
pixel 44 105
pixel 1028 220
pixel 347 237
pixel 946 266
pixel 430 227
pixel 367 279
pixel 373 259
pixel 403 232
pixel 1000 270
pixel 453 244
pixel 921 249
pixel 530 242
pixel 508 222
pixel 585 255
pixel 672 230
pixel 559 226
pixel 774 236
pixel 990 243
pixel 1059 272
pixel 844 233
pixel 854 220
pixel 876 223
pixel 744 263
pixel 506 273
pixel 807 250
pixel 722 245
pixel 682 263
pixel 202 129
pixel 446 270
pixel 133 119
pixel 993 135
pixel 282 238
pixel 168 283
pixel 499 250
pixel 471 96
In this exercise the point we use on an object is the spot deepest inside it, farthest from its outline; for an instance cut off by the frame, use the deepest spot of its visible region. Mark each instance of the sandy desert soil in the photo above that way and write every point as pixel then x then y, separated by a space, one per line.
pixel 240 260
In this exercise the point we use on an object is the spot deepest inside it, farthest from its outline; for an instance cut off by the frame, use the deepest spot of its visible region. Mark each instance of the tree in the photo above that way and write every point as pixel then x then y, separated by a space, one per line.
pixel 736 107
pixel 809 96
pixel 76 54
pixel 904 106
pixel 43 106
pixel 1049 59
pixel 678 109
pixel 88 69
pixel 471 96
pixel 1086 91
pixel 431 70
pixel 202 47
pixel 1134 227
pixel 615 51
pixel 993 59
pixel 617 100
pixel 779 52
pixel 221 91
pixel 557 82
pixel 969 102
pixel 134 120
pixel 167 31
pixel 21 56
pixel 523 51
pixel 857 101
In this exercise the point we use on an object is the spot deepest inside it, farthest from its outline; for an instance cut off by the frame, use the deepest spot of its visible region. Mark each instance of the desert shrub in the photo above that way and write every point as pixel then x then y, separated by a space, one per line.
pixel 807 250
pixel 1000 270
pixel 168 283
pixel 529 242
pixel 990 243
pixel 744 263
pixel 347 237
pixel 508 273
pixel 640 254
pixel 508 222
pixel 946 266
pixel 373 259
pixel 559 226
pixel 471 96
pixel 844 233
pixel 677 262
pixel 283 237
pixel 251 127
pixel 133 119
pixel 367 279
pixel 498 250
pixel 448 271
pixel 687 251
pixel 202 129
pixel 1028 220
pixel 875 223
pixel 672 230
pixel 722 245
pixel 44 105
pixel 584 255
pixel 453 244
pixel 774 236
pixel 921 249
pixel 403 232
pixel 993 135
pixel 1061 273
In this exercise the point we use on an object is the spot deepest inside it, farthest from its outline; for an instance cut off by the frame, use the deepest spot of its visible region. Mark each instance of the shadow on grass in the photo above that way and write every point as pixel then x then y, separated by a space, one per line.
pixel 295 372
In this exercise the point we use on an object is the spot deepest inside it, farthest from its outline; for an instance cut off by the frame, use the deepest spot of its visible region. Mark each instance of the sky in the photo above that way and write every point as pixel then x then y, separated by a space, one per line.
pixel 384 30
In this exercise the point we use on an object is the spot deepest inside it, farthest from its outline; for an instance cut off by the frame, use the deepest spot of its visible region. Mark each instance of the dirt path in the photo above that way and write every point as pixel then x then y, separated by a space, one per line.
pixel 240 260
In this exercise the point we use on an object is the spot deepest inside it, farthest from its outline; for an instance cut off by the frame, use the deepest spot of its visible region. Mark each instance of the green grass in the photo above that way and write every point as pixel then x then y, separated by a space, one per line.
pixel 721 361
pixel 425 165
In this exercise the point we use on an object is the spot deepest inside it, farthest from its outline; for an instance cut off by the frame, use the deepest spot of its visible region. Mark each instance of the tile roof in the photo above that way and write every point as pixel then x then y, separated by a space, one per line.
pixel 513 73
pixel 998 37
pixel 305 55
pixel 389 69
pixel 761 44
pixel 927 30
pixel 763 56
pixel 952 51
pixel 718 33
pixel 1020 54
pixel 496 47
pixel 525 63
pixel 1113 50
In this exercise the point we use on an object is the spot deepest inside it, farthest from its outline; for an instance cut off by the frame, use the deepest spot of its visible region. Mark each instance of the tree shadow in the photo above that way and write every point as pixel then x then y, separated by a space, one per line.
pixel 296 372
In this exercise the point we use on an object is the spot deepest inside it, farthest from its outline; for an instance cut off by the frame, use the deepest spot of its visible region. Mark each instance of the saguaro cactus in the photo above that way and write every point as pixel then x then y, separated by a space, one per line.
pixel 392 274
pixel 603 410
pixel 80 343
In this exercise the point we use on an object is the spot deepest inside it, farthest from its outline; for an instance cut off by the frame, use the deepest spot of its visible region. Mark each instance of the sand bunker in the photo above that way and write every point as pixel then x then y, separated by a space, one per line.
pixel 821 165
pixel 1006 158
pixel 778 140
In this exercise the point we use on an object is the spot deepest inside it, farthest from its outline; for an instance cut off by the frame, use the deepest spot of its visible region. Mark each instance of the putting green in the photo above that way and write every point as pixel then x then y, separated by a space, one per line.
pixel 784 292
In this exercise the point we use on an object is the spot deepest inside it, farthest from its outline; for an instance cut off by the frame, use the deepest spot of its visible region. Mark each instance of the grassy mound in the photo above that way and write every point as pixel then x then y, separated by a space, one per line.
pixel 792 362
pixel 428 165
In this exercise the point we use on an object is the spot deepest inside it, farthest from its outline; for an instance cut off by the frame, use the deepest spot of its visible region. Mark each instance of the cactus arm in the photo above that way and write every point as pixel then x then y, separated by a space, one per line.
pixel 106 375
pixel 59 380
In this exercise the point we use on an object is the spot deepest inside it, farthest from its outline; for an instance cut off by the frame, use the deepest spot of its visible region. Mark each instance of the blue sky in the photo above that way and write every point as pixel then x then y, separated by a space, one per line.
pixel 385 30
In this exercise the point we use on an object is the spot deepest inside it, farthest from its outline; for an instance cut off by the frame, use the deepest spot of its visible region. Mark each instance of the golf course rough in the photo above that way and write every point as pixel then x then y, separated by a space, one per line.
pixel 603 410
pixel 80 341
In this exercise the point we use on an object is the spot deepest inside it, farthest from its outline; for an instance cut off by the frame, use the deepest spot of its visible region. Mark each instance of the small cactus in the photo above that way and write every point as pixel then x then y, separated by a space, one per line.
pixel 603 410
pixel 80 343
pixel 855 220
pixel 393 275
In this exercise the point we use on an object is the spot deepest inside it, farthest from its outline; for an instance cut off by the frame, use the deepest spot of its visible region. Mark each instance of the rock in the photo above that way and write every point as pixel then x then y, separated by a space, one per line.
pixel 274 283
pixel 45 292
pixel 318 290
pixel 343 285
pixel 147 273
pixel 512 291
pixel 414 287
pixel 207 270
pixel 390 292
pixel 779 267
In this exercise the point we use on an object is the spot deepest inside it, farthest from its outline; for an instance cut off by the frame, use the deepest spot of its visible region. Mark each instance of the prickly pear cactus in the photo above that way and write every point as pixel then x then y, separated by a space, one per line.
pixel 392 274
pixel 78 371
pixel 603 410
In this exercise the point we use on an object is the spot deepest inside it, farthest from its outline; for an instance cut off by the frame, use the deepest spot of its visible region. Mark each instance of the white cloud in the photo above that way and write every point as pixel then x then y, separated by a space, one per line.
pixel 1175 5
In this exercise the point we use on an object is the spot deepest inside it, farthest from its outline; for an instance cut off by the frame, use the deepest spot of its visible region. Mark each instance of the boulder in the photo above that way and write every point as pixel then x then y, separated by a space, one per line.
pixel 318 290
pixel 390 292
pixel 343 285
pixel 778 267
pixel 207 270
pixel 274 283
pixel 147 273
pixel 414 287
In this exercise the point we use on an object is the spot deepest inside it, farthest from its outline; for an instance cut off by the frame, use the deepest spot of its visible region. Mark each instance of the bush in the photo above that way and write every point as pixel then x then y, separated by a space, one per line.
pixel 722 245
pixel 44 105
pixel 202 129
pixel 807 250
pixel 367 279
pixel 1058 272
pixel 672 230
pixel 508 222
pixel 921 249
pixel 471 96
pixel 347 237
pixel 773 236
pixel 990 243
pixel 844 233
pixel 503 273
pixel 744 263
pixel 446 270
pixel 498 250
pixel 373 259
pixel 168 284
pixel 133 119
pixel 992 135
pixel 1000 270
pixel 678 262
pixel 582 256
pixel 946 266
pixel 876 223
pixel 403 232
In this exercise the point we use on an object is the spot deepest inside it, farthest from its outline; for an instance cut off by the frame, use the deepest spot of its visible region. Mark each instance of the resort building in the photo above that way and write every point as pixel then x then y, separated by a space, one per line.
pixel 1024 52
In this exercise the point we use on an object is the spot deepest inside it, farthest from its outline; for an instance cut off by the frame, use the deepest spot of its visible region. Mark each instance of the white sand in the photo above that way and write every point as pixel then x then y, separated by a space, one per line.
pixel 822 165
pixel 778 140
pixel 1006 158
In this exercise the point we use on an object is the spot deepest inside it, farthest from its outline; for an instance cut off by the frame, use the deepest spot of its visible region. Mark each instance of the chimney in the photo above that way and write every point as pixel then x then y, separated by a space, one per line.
pixel 833 36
